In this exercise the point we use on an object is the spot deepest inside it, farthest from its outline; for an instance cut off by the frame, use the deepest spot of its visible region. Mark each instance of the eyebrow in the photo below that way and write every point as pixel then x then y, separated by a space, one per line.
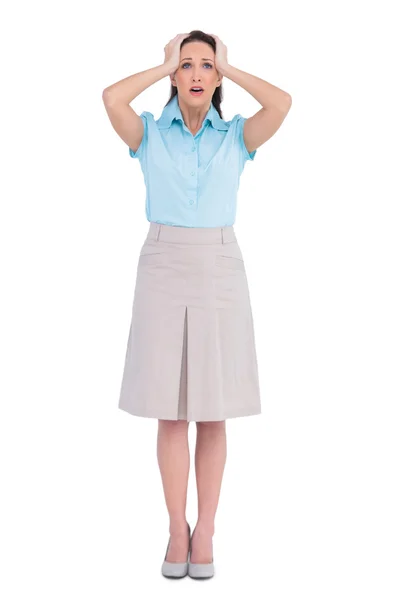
pixel 201 59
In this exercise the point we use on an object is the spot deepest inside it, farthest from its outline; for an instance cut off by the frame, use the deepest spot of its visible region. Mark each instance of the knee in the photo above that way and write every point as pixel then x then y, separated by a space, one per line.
pixel 170 426
pixel 210 426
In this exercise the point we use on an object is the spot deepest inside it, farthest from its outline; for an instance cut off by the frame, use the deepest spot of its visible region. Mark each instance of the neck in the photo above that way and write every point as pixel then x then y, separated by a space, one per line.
pixel 193 116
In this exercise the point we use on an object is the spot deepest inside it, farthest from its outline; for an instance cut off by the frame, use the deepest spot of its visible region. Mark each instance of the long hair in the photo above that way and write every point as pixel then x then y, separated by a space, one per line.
pixel 200 36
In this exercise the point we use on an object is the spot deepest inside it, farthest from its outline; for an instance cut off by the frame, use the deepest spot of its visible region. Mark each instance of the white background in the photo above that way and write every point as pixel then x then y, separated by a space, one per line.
pixel 310 495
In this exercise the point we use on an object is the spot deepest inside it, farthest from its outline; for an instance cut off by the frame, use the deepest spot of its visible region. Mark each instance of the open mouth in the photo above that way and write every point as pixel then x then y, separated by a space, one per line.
pixel 196 90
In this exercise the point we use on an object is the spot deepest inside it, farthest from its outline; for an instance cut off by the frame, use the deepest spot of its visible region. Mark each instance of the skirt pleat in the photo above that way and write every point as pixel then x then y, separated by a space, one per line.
pixel 191 352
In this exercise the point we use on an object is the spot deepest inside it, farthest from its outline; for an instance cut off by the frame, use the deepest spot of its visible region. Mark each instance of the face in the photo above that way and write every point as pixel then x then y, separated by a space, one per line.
pixel 195 71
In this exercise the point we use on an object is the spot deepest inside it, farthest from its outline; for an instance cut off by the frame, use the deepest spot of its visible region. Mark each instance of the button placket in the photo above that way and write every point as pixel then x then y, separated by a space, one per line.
pixel 193 173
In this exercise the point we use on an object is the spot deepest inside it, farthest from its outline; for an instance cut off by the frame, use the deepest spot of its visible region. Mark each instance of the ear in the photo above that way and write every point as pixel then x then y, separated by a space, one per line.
pixel 172 78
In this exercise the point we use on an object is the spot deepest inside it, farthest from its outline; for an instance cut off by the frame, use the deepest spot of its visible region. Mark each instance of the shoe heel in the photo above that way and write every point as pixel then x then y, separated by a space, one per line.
pixel 174 570
pixel 200 570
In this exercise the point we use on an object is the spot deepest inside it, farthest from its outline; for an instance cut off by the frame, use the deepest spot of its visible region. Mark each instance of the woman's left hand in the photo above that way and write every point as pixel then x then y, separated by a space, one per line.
pixel 221 54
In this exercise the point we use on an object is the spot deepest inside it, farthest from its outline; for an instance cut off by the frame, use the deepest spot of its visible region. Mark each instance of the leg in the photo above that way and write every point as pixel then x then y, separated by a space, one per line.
pixel 174 463
pixel 210 461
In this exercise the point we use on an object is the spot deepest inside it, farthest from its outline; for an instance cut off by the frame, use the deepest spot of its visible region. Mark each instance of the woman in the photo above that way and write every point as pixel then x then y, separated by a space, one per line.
pixel 191 351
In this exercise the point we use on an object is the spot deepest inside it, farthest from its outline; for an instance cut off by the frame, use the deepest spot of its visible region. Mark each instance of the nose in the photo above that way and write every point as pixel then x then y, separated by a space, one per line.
pixel 195 76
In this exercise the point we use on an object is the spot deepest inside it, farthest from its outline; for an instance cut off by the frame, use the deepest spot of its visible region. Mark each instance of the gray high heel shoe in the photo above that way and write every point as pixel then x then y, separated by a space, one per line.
pixel 200 570
pixel 174 570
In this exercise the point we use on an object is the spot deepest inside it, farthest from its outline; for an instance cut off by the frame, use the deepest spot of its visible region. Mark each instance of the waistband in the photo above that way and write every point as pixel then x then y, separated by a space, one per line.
pixel 191 235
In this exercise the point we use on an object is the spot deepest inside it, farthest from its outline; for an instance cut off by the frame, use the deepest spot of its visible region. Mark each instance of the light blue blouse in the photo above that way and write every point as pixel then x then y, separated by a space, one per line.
pixel 191 181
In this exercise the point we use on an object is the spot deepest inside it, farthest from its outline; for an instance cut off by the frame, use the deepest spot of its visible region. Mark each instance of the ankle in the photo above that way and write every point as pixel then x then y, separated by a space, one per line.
pixel 178 526
pixel 205 527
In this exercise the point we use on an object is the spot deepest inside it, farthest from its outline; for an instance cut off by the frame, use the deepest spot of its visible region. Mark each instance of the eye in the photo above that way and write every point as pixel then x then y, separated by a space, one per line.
pixel 186 63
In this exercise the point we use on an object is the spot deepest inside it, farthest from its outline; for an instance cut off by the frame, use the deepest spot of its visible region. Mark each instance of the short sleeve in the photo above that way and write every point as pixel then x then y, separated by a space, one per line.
pixel 246 155
pixel 143 144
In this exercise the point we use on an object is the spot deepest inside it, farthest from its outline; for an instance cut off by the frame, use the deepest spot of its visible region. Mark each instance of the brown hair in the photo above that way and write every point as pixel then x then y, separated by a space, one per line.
pixel 200 36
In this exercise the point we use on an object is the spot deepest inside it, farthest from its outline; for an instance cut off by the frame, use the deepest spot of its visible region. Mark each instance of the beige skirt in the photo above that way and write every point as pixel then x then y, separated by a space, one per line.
pixel 191 351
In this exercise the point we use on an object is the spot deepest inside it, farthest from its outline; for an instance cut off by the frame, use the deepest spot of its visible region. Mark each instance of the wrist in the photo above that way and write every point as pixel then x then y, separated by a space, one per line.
pixel 170 68
pixel 223 69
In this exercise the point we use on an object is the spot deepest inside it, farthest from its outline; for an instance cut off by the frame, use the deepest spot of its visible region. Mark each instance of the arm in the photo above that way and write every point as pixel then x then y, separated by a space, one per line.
pixel 125 121
pixel 127 89
pixel 275 106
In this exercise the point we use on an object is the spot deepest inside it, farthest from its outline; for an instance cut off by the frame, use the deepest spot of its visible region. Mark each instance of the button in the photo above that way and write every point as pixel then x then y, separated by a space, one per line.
pixel 192 172
pixel 191 201
pixel 193 149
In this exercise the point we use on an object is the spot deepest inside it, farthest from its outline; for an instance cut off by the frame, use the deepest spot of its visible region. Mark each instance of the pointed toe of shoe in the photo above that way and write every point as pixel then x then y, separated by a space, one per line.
pixel 201 570
pixel 174 570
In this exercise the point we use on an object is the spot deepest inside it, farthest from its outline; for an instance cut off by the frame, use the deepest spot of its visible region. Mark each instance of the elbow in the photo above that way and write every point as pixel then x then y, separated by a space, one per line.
pixel 107 96
pixel 285 103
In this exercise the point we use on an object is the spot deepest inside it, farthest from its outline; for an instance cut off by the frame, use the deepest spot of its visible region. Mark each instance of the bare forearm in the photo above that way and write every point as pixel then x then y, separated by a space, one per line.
pixel 127 89
pixel 265 93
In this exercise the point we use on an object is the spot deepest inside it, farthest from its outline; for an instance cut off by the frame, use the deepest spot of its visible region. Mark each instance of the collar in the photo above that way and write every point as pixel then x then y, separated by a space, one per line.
pixel 172 111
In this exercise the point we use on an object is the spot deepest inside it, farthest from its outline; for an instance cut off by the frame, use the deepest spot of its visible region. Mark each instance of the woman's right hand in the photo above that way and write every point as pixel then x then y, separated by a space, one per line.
pixel 172 52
